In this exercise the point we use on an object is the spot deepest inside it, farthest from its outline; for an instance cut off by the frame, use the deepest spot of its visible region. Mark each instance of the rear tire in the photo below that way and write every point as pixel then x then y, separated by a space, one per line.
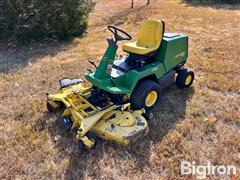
pixel 184 78
pixel 145 95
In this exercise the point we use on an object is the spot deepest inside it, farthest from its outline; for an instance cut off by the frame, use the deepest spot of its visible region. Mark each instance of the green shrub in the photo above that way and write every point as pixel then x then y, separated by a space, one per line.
pixel 27 20
pixel 216 1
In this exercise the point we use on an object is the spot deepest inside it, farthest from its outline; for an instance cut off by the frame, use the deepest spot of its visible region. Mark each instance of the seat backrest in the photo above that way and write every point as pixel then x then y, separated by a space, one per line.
pixel 150 33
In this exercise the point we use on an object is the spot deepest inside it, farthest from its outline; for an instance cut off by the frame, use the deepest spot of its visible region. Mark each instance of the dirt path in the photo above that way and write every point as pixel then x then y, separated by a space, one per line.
pixel 201 124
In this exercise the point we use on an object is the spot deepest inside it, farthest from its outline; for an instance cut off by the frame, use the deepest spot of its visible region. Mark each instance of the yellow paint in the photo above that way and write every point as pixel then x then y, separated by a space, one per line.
pixel 151 99
pixel 188 80
pixel 125 106
pixel 119 124
pixel 53 104
pixel 121 118
pixel 182 54
pixel 149 38
pixel 87 123
pixel 88 142
pixel 66 112
pixel 109 129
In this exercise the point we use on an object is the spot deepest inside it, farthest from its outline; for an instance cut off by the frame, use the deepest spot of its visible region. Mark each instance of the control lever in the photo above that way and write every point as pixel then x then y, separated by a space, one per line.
pixel 92 63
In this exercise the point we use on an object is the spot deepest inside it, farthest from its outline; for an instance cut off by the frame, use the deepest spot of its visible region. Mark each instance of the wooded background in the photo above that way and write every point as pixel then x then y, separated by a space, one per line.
pixel 26 21
pixel 35 19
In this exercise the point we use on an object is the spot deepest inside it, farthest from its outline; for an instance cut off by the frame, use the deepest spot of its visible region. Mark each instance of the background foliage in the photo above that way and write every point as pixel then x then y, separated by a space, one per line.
pixel 26 20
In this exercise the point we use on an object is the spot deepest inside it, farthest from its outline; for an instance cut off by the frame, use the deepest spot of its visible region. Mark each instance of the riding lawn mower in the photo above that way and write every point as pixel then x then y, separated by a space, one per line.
pixel 117 104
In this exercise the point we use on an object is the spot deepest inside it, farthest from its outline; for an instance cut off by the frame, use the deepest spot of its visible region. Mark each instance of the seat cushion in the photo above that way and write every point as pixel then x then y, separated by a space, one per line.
pixel 149 38
pixel 136 49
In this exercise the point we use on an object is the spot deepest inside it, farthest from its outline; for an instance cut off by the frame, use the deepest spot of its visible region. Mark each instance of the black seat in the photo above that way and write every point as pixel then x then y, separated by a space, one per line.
pixel 138 61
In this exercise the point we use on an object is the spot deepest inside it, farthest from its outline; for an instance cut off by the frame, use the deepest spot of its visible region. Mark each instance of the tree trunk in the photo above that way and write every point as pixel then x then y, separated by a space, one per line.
pixel 132 3
pixel 148 2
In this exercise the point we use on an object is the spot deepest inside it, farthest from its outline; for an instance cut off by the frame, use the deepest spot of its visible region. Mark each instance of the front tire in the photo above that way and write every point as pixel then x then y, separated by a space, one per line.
pixel 146 95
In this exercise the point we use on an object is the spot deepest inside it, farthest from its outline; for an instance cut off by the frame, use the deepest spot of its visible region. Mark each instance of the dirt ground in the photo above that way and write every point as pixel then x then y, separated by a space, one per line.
pixel 201 124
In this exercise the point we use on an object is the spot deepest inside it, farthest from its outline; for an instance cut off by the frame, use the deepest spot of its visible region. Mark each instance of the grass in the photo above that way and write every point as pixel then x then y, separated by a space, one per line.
pixel 200 124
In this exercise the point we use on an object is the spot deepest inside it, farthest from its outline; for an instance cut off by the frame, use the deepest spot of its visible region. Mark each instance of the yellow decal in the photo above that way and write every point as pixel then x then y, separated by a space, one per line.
pixel 154 69
pixel 182 54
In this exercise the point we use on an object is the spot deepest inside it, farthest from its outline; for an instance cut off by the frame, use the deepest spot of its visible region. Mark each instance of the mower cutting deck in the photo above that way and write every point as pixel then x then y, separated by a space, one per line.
pixel 99 116
pixel 123 90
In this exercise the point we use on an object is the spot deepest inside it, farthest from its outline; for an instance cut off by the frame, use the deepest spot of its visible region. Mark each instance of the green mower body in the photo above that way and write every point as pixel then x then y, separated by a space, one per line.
pixel 172 54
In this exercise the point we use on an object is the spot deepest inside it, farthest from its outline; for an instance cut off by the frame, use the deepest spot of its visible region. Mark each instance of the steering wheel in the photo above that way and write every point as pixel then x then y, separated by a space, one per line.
pixel 115 30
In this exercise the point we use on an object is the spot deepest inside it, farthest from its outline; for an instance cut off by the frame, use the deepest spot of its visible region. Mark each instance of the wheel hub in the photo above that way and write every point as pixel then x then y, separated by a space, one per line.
pixel 151 99
pixel 188 80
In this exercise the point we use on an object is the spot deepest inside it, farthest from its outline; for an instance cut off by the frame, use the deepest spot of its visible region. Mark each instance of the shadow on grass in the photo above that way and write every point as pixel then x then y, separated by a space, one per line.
pixel 212 5
pixel 171 110
pixel 17 57
pixel 67 146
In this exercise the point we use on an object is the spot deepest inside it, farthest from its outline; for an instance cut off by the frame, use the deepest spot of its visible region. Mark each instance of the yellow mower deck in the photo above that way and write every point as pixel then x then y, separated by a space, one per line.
pixel 124 127
pixel 119 124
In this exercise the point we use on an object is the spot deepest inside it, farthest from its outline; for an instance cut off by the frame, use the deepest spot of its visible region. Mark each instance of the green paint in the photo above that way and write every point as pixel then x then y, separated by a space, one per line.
pixel 173 51
pixel 101 72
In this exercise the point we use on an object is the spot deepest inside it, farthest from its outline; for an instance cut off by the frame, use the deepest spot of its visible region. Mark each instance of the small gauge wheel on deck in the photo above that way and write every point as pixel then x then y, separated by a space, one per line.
pixel 92 137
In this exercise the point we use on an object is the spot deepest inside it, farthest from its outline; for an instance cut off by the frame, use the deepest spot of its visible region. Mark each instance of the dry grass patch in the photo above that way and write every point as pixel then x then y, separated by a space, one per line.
pixel 200 124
